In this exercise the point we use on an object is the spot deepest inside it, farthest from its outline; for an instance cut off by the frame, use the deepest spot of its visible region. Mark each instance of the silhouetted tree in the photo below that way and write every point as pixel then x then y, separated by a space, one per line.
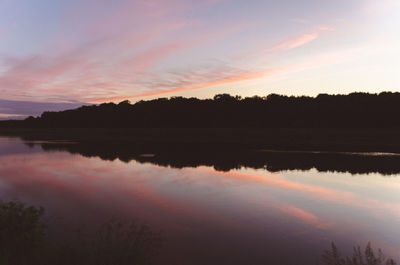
pixel 355 110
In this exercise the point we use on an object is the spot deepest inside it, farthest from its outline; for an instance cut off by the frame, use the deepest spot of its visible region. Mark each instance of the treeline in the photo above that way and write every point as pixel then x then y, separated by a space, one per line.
pixel 355 110
pixel 226 158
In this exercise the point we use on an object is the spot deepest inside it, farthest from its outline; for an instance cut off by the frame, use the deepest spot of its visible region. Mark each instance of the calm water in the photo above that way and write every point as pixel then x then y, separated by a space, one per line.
pixel 240 216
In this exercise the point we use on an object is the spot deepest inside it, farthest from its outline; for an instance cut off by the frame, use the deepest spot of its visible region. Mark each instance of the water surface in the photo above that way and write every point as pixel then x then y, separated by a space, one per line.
pixel 246 215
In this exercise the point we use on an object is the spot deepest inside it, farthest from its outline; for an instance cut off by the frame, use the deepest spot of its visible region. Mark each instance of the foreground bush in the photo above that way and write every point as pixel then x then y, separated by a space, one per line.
pixel 359 257
pixel 25 240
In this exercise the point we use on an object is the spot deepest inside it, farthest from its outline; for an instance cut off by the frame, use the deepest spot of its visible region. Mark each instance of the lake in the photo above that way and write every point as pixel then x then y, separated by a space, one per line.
pixel 273 208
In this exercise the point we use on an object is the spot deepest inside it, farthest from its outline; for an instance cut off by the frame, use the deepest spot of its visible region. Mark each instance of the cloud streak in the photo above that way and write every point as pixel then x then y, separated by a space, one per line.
pixel 300 40
pixel 138 49
pixel 226 74
pixel 78 73
pixel 96 68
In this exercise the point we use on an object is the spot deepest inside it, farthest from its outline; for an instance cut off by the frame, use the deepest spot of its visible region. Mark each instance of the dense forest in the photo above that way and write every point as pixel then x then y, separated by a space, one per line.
pixel 355 110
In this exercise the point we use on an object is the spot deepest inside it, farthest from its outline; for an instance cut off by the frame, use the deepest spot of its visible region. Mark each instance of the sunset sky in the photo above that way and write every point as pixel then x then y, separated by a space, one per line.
pixel 93 51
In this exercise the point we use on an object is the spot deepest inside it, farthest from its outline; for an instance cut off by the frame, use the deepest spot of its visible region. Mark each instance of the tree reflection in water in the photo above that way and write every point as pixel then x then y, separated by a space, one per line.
pixel 226 157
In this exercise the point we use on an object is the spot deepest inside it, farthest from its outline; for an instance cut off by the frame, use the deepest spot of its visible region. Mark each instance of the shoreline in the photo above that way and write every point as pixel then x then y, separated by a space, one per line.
pixel 288 139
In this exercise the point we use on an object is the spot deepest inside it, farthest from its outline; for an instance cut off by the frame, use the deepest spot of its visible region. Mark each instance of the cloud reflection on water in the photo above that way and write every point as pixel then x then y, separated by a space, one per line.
pixel 242 209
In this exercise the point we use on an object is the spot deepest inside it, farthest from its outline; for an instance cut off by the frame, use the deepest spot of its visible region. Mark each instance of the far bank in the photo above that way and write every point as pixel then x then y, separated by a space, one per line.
pixel 318 139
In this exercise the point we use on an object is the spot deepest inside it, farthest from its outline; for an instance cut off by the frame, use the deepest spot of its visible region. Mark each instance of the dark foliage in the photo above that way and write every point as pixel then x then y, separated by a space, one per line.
pixel 358 257
pixel 22 233
pixel 114 242
pixel 356 110
pixel 25 239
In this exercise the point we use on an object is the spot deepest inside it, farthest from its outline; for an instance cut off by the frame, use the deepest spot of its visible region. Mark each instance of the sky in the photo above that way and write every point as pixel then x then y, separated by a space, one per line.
pixel 92 51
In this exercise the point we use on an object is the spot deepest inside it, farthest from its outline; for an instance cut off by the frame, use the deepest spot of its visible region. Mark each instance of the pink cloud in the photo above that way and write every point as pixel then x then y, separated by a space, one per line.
pixel 296 42
pixel 112 60
pixel 224 77
pixel 97 68
pixel 147 59
pixel 300 40
pixel 190 81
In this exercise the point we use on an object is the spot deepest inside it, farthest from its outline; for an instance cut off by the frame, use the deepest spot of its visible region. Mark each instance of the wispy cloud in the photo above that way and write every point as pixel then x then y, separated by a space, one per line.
pixel 192 80
pixel 300 40
pixel 222 73
pixel 97 67
pixel 96 51
pixel 112 60
pixel 85 76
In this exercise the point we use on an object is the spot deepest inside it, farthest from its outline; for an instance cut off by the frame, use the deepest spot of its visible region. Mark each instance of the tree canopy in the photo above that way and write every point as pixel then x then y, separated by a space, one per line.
pixel 355 110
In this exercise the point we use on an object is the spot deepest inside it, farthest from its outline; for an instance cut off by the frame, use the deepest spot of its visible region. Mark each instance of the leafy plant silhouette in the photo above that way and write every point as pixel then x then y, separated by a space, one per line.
pixel 22 232
pixel 358 257
pixel 25 239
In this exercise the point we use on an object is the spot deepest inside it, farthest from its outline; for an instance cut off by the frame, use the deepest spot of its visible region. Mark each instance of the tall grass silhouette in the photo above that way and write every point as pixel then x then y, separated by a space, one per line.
pixel 368 256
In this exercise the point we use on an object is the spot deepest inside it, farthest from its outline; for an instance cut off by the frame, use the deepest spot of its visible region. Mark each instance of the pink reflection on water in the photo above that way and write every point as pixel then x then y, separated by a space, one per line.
pixel 320 193
pixel 194 203
pixel 306 217
pixel 118 187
